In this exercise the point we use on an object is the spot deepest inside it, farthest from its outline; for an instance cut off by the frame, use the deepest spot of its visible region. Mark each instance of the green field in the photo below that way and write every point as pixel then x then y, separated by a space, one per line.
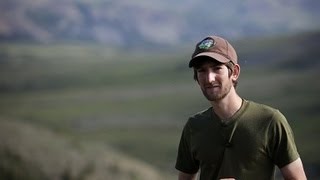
pixel 138 103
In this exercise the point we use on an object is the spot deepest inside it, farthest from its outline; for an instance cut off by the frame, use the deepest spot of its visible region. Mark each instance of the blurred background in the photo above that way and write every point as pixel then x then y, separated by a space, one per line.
pixel 100 89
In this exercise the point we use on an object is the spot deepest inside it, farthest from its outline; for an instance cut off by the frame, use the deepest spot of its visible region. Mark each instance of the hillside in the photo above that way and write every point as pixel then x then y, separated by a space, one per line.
pixel 90 101
pixel 30 153
pixel 290 51
pixel 33 66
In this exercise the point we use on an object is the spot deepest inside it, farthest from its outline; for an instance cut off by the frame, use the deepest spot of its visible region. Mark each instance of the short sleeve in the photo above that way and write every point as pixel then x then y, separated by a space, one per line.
pixel 282 146
pixel 185 159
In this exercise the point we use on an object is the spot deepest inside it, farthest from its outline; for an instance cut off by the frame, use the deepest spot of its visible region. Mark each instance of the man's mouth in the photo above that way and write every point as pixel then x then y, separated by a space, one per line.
pixel 212 86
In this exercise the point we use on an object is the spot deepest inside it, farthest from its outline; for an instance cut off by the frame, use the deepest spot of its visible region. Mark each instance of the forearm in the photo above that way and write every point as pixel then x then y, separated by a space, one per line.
pixel 294 171
pixel 185 176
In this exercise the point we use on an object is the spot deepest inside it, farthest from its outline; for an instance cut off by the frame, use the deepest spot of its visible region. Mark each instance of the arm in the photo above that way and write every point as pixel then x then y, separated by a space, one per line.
pixel 293 171
pixel 185 176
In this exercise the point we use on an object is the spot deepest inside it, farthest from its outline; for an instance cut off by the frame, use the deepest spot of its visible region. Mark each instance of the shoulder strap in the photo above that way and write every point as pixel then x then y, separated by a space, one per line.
pixel 227 145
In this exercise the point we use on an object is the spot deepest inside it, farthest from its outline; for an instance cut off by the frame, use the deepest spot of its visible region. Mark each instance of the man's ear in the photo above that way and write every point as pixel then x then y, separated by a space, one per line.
pixel 236 72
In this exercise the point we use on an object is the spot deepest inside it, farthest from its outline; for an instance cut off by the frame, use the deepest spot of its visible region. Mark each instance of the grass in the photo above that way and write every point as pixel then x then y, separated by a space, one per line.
pixel 137 103
pixel 31 152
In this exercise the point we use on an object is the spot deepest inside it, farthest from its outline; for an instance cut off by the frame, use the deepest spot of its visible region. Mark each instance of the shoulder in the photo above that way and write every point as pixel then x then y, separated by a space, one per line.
pixel 272 117
pixel 261 107
pixel 202 114
pixel 263 110
pixel 262 116
pixel 200 119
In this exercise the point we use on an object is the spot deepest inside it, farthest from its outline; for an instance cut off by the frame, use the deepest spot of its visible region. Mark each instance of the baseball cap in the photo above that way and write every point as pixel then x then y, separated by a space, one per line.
pixel 215 47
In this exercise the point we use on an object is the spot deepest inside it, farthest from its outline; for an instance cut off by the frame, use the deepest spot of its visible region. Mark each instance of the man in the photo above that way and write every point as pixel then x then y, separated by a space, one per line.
pixel 234 138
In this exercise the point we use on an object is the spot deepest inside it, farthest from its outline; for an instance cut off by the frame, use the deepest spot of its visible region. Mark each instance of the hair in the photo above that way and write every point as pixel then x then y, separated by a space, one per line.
pixel 229 65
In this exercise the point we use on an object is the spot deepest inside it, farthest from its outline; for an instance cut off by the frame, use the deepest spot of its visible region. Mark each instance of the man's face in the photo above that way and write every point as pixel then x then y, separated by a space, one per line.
pixel 214 80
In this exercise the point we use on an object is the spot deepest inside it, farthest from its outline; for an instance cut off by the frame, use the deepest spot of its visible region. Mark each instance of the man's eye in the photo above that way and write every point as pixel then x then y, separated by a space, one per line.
pixel 200 70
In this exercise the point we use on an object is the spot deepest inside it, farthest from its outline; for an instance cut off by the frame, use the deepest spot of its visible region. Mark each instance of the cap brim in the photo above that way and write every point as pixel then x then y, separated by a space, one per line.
pixel 213 55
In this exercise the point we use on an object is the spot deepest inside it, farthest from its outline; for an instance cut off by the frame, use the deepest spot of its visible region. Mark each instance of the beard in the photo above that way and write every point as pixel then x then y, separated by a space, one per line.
pixel 216 94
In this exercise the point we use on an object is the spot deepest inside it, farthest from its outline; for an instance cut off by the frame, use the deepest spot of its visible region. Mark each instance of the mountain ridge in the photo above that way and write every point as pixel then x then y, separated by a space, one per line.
pixel 148 23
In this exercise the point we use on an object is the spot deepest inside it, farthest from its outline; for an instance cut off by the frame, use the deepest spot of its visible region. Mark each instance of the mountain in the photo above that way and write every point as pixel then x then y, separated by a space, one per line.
pixel 127 23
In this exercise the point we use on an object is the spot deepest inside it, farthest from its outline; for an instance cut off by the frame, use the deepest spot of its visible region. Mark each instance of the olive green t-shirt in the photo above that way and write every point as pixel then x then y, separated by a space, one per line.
pixel 254 140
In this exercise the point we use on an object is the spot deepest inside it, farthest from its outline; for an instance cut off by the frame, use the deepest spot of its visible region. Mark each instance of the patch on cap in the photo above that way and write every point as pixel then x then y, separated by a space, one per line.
pixel 206 44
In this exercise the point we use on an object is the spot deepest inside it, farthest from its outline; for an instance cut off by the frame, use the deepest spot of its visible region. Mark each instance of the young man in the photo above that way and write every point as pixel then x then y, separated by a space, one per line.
pixel 234 138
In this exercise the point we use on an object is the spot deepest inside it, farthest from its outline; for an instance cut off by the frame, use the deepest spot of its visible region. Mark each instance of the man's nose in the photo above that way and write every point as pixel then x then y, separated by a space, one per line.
pixel 211 77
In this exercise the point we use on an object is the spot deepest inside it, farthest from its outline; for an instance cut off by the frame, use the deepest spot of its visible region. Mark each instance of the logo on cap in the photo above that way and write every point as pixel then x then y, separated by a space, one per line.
pixel 206 44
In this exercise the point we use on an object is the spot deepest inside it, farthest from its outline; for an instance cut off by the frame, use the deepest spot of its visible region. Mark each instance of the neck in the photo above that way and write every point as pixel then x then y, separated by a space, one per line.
pixel 228 106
